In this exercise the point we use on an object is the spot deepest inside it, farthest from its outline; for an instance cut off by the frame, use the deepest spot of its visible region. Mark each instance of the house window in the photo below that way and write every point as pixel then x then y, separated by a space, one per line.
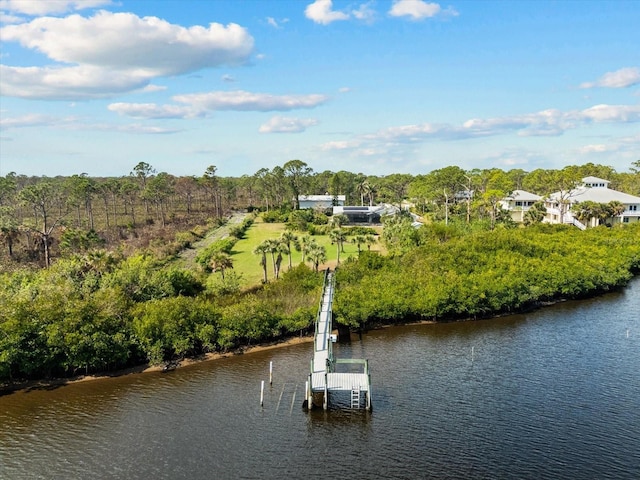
pixel 633 208
pixel 625 220
pixel 518 204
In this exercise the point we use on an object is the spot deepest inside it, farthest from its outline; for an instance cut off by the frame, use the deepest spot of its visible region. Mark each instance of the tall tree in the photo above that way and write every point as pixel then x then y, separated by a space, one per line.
pixel 317 254
pixel 212 184
pixel 9 228
pixel 363 188
pixel 142 171
pixel 42 198
pixel 158 190
pixel 262 249
pixel 297 175
pixel 289 239
pixel 338 237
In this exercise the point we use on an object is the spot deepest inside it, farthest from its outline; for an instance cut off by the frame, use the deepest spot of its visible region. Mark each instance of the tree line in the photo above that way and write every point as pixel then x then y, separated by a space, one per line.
pixel 41 216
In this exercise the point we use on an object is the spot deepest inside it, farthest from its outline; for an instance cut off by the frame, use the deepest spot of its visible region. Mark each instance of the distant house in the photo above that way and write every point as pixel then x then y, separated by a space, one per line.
pixel 518 203
pixel 365 214
pixel 320 201
pixel 596 190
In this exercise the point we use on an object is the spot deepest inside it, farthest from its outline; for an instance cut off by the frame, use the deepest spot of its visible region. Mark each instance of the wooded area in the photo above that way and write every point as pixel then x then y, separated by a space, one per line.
pixel 90 281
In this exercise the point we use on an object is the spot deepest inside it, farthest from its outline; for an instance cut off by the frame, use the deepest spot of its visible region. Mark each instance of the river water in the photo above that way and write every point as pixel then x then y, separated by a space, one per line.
pixel 553 394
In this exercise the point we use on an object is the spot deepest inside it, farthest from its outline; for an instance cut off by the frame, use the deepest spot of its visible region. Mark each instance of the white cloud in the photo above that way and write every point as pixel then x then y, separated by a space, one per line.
pixel 625 77
pixel 77 124
pixel 153 111
pixel 276 23
pixel 272 21
pixel 365 13
pixel 45 7
pixel 66 83
pixel 228 78
pixel 29 120
pixel 280 124
pixel 544 123
pixel 134 128
pixel 321 12
pixel 247 101
pixel 418 9
pixel 5 18
pixel 340 145
pixel 621 145
pixel 154 88
pixel 612 113
pixel 148 46
pixel 115 52
pixel 596 148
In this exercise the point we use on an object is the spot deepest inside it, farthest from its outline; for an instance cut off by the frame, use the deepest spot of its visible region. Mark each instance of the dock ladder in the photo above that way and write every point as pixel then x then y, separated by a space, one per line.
pixel 355 397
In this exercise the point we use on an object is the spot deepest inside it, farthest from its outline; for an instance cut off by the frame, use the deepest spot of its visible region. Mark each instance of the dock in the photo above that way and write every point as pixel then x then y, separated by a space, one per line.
pixel 325 377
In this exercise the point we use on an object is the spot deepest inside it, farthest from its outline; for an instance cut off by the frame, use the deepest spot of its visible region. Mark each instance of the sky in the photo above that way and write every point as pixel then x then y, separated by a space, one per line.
pixel 374 87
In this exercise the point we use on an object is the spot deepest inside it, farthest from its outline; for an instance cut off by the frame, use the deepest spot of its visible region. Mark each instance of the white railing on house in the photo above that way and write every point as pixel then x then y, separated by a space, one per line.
pixel 573 221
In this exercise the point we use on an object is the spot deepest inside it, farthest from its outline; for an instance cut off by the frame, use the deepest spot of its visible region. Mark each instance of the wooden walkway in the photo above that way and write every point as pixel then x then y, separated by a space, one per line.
pixel 323 378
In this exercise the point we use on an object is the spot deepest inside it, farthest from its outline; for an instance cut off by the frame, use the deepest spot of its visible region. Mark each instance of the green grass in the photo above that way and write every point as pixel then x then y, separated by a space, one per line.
pixel 247 264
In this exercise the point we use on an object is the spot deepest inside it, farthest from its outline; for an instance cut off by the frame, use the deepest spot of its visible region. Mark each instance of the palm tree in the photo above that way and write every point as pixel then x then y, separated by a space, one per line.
pixel 364 189
pixel 219 262
pixel 369 240
pixel 262 250
pixel 535 214
pixel 272 248
pixel 303 245
pixel 338 237
pixel 289 238
pixel 281 248
pixel 317 254
pixel 359 240
pixel 617 208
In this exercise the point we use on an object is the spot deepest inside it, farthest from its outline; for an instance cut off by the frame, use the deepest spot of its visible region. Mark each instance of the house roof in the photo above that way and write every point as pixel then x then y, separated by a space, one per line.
pixel 523 195
pixel 595 180
pixel 598 195
pixel 321 198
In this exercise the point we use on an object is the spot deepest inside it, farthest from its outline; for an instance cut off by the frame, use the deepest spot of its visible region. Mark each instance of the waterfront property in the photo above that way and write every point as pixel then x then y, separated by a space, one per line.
pixel 325 377
pixel 562 205
pixel 559 204
pixel 518 203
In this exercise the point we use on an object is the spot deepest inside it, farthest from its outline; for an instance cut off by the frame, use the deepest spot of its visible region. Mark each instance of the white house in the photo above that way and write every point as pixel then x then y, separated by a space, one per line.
pixel 596 190
pixel 320 201
pixel 518 203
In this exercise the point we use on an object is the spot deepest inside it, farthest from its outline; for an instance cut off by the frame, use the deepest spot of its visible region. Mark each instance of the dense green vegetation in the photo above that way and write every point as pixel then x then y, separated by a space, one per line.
pixel 90 280
pixel 79 317
pixel 480 274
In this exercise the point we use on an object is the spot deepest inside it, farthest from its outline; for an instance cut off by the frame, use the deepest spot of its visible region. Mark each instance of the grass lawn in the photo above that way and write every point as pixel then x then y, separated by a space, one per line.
pixel 247 264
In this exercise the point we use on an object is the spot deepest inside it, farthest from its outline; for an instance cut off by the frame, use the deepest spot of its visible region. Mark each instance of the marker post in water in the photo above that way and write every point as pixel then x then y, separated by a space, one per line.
pixel 262 394
pixel 270 373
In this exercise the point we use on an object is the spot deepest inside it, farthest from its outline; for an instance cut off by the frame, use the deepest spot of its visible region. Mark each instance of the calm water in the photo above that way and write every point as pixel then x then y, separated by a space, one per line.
pixel 554 394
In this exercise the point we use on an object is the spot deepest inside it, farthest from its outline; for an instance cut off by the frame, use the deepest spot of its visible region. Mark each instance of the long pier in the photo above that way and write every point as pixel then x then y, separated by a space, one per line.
pixel 324 378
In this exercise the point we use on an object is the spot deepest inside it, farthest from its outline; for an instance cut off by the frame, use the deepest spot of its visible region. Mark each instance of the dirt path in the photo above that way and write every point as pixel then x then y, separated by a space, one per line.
pixel 187 258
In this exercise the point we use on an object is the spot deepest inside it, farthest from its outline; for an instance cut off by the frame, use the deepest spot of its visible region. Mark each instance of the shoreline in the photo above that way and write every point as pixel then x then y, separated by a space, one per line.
pixel 146 368
pixel 27 386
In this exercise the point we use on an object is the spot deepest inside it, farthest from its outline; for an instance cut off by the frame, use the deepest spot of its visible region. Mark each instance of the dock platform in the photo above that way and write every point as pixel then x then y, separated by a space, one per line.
pixel 323 377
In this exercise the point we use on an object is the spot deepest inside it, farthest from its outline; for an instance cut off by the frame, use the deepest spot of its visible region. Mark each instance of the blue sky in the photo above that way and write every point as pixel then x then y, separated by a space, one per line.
pixel 378 87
